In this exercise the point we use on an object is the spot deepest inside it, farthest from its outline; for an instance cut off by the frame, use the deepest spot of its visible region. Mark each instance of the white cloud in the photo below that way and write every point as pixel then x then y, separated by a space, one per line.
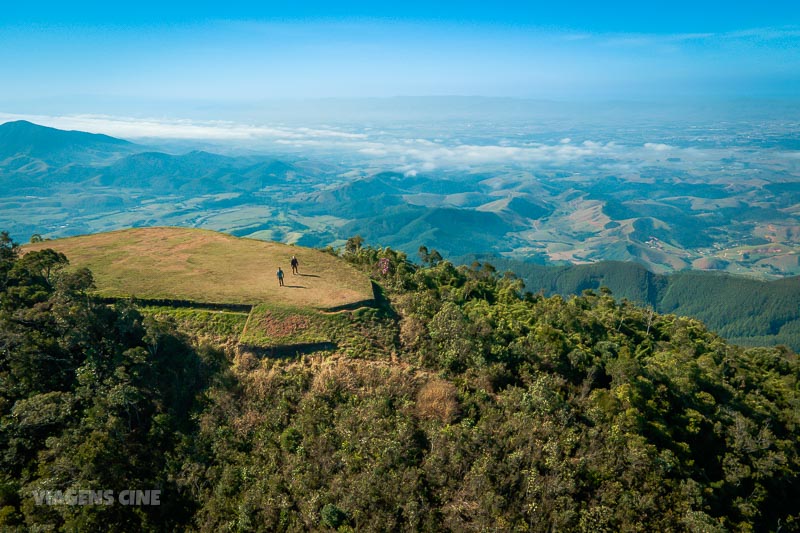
pixel 373 151
pixel 658 147
pixel 466 155
pixel 689 36
pixel 790 32
pixel 653 39
pixel 408 154
pixel 136 128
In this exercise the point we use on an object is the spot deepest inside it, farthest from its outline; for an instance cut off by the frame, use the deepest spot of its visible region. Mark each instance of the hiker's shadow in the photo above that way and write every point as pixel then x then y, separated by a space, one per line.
pixel 294 286
pixel 308 275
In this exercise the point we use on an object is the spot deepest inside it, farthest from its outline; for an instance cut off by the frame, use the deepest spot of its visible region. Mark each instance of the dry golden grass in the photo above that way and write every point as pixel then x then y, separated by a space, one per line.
pixel 364 378
pixel 437 400
pixel 210 267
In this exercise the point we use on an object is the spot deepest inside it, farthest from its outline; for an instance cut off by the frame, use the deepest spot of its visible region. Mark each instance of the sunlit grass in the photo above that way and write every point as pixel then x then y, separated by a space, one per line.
pixel 210 267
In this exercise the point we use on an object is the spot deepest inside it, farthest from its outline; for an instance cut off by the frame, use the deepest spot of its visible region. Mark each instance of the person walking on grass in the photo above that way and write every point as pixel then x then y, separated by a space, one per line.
pixel 295 264
pixel 280 277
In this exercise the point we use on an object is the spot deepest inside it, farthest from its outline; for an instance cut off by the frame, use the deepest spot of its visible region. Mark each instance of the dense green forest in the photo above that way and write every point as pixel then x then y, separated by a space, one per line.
pixel 460 402
pixel 743 310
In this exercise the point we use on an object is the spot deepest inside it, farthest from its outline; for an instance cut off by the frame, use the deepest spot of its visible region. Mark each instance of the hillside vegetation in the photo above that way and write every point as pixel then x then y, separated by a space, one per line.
pixel 746 311
pixel 460 404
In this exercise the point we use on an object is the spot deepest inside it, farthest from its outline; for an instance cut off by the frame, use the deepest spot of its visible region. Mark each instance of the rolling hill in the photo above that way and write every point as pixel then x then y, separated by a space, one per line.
pixel 203 266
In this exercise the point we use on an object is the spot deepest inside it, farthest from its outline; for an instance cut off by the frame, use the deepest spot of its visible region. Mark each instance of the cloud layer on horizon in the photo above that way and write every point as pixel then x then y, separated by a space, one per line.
pixel 406 153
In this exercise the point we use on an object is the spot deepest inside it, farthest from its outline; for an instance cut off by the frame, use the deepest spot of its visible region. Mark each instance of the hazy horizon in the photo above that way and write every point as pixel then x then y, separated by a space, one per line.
pixel 426 115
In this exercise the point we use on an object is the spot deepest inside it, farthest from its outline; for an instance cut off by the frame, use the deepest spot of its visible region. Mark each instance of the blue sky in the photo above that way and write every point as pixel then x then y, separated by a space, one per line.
pixel 82 54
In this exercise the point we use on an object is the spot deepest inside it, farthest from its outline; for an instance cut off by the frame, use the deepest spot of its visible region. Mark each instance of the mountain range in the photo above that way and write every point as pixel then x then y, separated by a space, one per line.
pixel 665 217
pixel 60 183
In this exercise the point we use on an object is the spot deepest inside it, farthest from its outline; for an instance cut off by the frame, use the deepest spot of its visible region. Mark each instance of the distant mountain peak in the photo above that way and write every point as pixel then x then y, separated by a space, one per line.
pixel 22 137
pixel 26 127
pixel 19 123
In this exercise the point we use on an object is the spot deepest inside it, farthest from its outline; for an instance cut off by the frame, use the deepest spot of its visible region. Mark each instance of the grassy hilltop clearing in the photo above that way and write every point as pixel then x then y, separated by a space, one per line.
pixel 209 267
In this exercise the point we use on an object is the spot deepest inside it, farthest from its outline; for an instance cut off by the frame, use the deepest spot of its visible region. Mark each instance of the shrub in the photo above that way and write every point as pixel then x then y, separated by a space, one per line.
pixel 332 516
pixel 438 400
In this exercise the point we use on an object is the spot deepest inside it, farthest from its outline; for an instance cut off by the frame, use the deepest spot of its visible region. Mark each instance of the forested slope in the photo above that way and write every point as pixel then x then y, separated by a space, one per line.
pixel 462 404
pixel 744 310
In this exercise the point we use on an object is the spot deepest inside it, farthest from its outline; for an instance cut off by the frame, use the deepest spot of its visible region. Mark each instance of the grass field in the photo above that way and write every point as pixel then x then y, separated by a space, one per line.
pixel 273 326
pixel 210 267
pixel 218 328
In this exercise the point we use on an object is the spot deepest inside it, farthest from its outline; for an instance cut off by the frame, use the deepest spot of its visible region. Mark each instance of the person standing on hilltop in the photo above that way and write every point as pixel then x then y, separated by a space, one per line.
pixel 295 264
pixel 280 276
